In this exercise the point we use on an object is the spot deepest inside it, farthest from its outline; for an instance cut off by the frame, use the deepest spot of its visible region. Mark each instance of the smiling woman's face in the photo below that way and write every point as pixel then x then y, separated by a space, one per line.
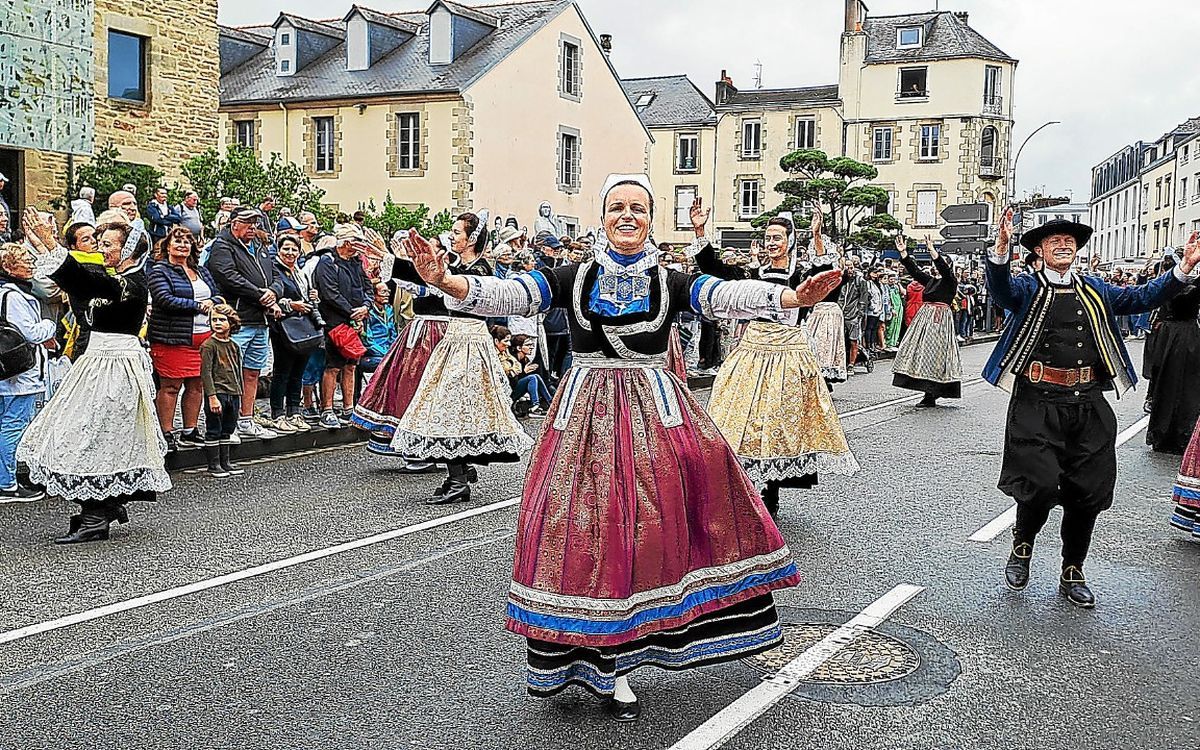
pixel 627 218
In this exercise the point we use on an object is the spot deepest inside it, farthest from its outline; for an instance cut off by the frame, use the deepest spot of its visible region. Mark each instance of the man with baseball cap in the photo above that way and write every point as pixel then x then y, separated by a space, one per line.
pixel 1059 353
pixel 241 265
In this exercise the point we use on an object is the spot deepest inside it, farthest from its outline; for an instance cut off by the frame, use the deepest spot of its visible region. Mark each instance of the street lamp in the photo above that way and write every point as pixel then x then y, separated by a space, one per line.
pixel 1012 192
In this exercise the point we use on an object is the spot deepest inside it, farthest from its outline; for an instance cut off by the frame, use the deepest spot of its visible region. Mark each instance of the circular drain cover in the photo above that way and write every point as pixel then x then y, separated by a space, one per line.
pixel 870 658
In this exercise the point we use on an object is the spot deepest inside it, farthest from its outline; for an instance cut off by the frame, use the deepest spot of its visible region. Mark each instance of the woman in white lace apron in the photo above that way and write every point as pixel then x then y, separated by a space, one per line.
pixel 97 442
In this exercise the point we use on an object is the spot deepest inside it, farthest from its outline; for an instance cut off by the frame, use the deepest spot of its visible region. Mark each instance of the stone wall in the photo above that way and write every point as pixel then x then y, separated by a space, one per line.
pixel 179 118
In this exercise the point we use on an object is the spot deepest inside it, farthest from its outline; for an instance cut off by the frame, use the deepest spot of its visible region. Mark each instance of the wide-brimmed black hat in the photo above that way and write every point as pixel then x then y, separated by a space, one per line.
pixel 1081 232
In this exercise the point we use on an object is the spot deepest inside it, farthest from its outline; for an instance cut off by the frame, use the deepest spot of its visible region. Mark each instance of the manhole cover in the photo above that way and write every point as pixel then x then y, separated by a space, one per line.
pixel 871 658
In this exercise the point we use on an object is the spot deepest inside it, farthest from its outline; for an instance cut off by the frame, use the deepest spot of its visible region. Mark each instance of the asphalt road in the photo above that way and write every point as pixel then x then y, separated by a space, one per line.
pixel 399 642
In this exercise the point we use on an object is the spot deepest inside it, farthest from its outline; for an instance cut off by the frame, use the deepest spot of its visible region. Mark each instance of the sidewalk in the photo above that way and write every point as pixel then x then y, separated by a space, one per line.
pixel 316 438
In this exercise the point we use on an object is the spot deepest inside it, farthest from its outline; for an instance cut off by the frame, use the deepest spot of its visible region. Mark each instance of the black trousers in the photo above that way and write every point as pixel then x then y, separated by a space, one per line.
pixel 287 373
pixel 1059 449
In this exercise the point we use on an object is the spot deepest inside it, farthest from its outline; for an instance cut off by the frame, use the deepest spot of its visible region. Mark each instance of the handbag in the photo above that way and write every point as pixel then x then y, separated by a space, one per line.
pixel 300 333
pixel 348 344
pixel 16 354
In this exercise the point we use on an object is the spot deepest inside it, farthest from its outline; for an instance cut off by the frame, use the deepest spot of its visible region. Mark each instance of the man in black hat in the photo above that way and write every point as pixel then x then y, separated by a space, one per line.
pixel 1059 353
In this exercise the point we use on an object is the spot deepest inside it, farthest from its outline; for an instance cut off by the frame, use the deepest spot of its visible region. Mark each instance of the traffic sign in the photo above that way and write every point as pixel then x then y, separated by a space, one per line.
pixel 963 247
pixel 965 213
pixel 965 231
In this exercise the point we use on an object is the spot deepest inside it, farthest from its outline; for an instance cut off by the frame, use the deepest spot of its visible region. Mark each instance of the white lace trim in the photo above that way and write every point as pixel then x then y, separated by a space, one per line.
pixel 763 470
pixel 426 447
pixel 836 374
pixel 75 487
pixel 49 262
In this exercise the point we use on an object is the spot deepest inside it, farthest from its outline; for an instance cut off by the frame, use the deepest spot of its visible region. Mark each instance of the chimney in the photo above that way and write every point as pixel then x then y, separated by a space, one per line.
pixel 606 43
pixel 854 16
pixel 962 15
pixel 725 88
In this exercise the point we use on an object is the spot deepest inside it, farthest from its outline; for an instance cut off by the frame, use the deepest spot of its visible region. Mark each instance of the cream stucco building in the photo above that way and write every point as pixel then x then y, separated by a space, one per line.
pixel 498 107
pixel 923 97
pixel 1187 196
pixel 1137 193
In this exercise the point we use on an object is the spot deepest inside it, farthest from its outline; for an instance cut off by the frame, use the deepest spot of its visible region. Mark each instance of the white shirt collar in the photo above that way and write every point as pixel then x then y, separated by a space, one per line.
pixel 1060 279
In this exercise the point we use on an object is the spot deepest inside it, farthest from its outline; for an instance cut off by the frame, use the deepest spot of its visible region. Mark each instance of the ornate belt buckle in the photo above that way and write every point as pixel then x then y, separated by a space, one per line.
pixel 1085 375
pixel 1072 378
pixel 1036 371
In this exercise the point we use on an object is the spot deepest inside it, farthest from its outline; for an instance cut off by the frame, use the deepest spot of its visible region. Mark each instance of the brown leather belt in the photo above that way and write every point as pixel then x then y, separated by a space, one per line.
pixel 1039 372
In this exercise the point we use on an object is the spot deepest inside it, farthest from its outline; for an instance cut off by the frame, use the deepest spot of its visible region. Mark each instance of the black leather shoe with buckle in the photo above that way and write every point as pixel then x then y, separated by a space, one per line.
pixel 1074 587
pixel 624 713
pixel 1016 572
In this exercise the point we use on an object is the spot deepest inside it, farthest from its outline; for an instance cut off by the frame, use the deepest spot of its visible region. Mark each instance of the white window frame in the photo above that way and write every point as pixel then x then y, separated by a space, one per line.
pixel 694 139
pixel 324 163
pixel 569 160
pixel 930 148
pixel 809 124
pixel 285 39
pixel 570 69
pixel 683 208
pixel 243 131
pixel 876 142
pixel 409 148
pixel 285 66
pixel 757 123
pixel 901 44
pixel 746 211
pixel 929 219
pixel 901 93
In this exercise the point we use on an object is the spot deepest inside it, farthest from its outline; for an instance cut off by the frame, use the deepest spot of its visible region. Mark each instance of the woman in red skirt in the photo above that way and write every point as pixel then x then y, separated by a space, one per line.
pixel 641 540
pixel 1186 517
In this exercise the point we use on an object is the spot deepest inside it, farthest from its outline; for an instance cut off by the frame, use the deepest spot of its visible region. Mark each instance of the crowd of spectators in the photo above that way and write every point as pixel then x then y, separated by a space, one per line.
pixel 311 312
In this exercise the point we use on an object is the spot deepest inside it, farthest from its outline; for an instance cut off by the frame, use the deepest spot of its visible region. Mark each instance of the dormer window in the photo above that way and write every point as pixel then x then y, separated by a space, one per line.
pixel 909 37
pixel 644 100
pixel 285 66
pixel 285 39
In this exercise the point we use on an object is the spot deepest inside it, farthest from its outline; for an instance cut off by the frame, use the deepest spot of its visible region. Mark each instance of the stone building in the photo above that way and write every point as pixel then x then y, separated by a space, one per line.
pixel 924 97
pixel 1137 191
pixel 147 88
pixel 494 106
pixel 1187 197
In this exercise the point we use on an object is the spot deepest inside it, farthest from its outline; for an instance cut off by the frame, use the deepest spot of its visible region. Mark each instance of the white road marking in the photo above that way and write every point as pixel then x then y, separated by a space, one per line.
pixel 1133 431
pixel 738 715
pixel 258 570
pixel 1006 519
pixel 996 526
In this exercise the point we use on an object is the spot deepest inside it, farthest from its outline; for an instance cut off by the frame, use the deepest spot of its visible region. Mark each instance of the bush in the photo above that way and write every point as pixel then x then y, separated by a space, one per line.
pixel 239 174
pixel 107 174
pixel 393 217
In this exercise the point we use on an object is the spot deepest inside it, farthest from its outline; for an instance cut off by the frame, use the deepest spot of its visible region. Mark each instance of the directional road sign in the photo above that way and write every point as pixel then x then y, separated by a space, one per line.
pixel 965 231
pixel 967 213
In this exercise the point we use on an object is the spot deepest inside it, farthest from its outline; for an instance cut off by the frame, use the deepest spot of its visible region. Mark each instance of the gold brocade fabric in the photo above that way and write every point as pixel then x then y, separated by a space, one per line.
pixel 771 404
pixel 462 407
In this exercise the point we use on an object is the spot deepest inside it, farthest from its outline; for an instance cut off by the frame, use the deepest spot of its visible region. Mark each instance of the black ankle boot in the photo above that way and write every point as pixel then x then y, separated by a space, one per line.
pixel 230 467
pixel 94 521
pixel 623 713
pixel 928 401
pixel 213 454
pixel 1016 572
pixel 456 488
pixel 1074 587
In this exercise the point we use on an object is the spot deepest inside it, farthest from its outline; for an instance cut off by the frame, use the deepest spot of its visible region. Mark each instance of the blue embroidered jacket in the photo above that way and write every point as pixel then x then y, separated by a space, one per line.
pixel 1027 296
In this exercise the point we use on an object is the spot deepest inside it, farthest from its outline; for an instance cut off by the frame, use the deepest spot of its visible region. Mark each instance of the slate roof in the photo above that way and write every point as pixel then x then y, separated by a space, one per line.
pixel 404 71
pixel 807 96
pixel 383 19
pixel 946 36
pixel 676 102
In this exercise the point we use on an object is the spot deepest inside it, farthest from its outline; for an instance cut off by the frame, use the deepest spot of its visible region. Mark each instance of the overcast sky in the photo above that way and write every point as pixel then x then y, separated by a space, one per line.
pixel 1112 72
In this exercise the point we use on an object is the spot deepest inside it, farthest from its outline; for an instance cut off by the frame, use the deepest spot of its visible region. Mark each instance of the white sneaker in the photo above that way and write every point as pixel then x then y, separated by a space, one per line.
pixel 283 426
pixel 299 423
pixel 252 431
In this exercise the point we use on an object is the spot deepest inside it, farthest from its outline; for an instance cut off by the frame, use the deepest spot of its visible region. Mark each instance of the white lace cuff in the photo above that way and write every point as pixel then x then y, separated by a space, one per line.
pixel 694 247
pixel 999 259
pixel 47 263
pixel 525 295
pixel 386 264
pixel 740 300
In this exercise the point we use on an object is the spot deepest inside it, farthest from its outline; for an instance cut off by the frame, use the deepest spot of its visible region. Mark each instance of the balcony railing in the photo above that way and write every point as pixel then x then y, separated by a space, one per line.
pixel 991 167
pixel 993 105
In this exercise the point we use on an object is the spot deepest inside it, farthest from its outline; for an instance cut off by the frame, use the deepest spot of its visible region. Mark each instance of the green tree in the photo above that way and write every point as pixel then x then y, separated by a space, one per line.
pixel 841 187
pixel 393 217
pixel 108 174
pixel 240 174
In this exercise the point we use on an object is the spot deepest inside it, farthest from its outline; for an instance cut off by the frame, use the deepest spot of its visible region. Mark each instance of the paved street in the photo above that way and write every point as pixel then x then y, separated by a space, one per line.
pixel 399 641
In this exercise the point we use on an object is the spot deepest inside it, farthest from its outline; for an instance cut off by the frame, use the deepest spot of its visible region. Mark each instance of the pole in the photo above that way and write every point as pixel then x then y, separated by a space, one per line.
pixel 1012 192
